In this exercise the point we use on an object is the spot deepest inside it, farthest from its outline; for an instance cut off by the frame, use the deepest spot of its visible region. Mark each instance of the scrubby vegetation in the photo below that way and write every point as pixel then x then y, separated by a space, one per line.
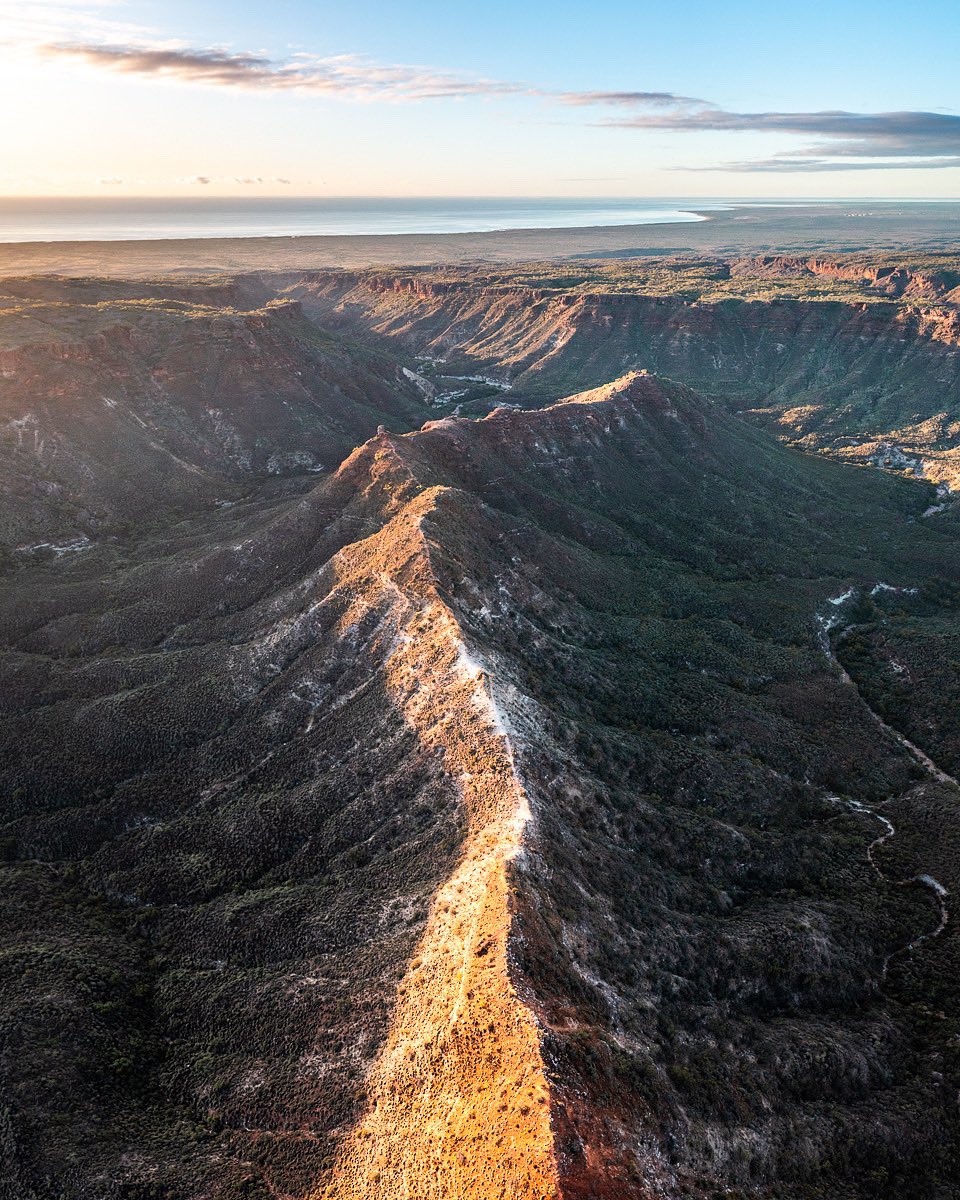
pixel 271 886
pixel 930 277
pixel 844 356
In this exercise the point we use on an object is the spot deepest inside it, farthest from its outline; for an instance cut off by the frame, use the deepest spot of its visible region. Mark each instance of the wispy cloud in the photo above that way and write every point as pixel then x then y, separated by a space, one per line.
pixel 668 100
pixel 787 165
pixel 23 22
pixel 348 75
pixel 848 140
pixel 207 180
pixel 351 76
pixel 90 34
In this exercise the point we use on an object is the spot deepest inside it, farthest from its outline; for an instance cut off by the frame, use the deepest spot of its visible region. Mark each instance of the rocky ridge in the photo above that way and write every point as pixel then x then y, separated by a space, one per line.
pixel 465 821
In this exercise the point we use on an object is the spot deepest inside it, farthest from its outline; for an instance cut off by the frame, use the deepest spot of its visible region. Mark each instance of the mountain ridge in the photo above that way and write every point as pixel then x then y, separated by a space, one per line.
pixel 253 753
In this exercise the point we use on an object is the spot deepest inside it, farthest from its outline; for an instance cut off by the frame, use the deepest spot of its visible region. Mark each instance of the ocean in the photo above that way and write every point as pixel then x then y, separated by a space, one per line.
pixel 122 219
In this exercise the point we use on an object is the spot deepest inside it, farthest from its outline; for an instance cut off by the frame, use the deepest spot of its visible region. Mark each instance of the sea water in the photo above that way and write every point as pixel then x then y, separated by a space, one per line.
pixel 114 218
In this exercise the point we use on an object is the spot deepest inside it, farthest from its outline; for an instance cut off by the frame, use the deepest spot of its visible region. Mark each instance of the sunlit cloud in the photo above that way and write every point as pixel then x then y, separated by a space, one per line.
pixel 23 22
pixel 208 180
pixel 338 75
pixel 347 75
pixel 94 36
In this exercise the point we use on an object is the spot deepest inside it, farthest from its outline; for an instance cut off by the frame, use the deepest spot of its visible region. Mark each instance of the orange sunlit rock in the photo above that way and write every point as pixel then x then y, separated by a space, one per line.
pixel 458 1102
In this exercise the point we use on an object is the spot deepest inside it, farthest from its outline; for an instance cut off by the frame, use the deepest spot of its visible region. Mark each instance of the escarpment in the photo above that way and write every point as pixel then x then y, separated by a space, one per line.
pixel 845 374
pixel 480 816
pixel 127 410
pixel 545 337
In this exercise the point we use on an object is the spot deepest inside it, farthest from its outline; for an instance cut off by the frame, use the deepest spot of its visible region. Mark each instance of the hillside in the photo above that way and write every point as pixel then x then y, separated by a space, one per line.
pixel 122 404
pixel 842 356
pixel 482 817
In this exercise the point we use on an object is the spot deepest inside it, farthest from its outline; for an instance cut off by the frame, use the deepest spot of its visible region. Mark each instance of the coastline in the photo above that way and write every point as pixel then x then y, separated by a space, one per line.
pixel 842 227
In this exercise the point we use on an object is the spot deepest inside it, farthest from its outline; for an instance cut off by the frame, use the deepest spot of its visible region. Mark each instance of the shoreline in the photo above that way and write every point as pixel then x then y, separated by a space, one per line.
pixel 685 216
pixel 850 227
pixel 699 217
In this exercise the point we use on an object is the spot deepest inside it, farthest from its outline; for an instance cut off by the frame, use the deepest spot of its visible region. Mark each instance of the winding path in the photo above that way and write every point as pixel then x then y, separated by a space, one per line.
pixel 828 621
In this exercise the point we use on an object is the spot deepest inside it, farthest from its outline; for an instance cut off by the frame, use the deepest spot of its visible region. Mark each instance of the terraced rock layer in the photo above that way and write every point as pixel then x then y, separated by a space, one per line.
pixel 123 406
pixel 848 376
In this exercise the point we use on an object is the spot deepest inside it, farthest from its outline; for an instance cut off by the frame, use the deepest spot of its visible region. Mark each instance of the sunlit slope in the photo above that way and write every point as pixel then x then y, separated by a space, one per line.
pixel 457 1102
pixel 651 575
pixel 464 827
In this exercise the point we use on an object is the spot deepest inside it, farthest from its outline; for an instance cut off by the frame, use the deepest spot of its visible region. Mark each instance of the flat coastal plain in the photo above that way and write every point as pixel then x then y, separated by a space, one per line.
pixel 852 226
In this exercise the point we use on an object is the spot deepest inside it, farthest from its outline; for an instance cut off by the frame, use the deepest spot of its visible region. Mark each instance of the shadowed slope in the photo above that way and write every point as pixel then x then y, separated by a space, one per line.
pixel 857 375
pixel 123 405
pixel 700 941
pixel 464 827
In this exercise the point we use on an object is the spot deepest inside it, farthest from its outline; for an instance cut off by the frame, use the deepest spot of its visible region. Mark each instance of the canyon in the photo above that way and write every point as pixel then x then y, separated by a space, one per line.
pixel 423 774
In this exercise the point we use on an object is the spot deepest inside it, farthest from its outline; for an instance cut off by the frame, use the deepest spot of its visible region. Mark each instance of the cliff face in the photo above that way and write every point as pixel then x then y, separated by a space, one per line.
pixel 893 280
pixel 752 346
pixel 115 409
pixel 829 372
pixel 123 404
pixel 468 825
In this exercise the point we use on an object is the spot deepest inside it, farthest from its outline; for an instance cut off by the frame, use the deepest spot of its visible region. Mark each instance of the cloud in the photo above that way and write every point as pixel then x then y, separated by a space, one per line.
pixel 40 20
pixel 205 180
pixel 786 165
pixel 110 180
pixel 626 99
pixel 893 126
pixel 921 139
pixel 342 74
pixel 205 66
pixel 835 139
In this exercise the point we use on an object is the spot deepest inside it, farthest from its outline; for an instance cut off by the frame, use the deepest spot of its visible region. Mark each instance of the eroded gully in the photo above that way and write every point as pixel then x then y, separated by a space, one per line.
pixel 828 621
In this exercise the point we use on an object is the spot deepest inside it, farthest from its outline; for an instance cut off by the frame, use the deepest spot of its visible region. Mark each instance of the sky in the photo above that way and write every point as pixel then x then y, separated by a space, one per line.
pixel 619 98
